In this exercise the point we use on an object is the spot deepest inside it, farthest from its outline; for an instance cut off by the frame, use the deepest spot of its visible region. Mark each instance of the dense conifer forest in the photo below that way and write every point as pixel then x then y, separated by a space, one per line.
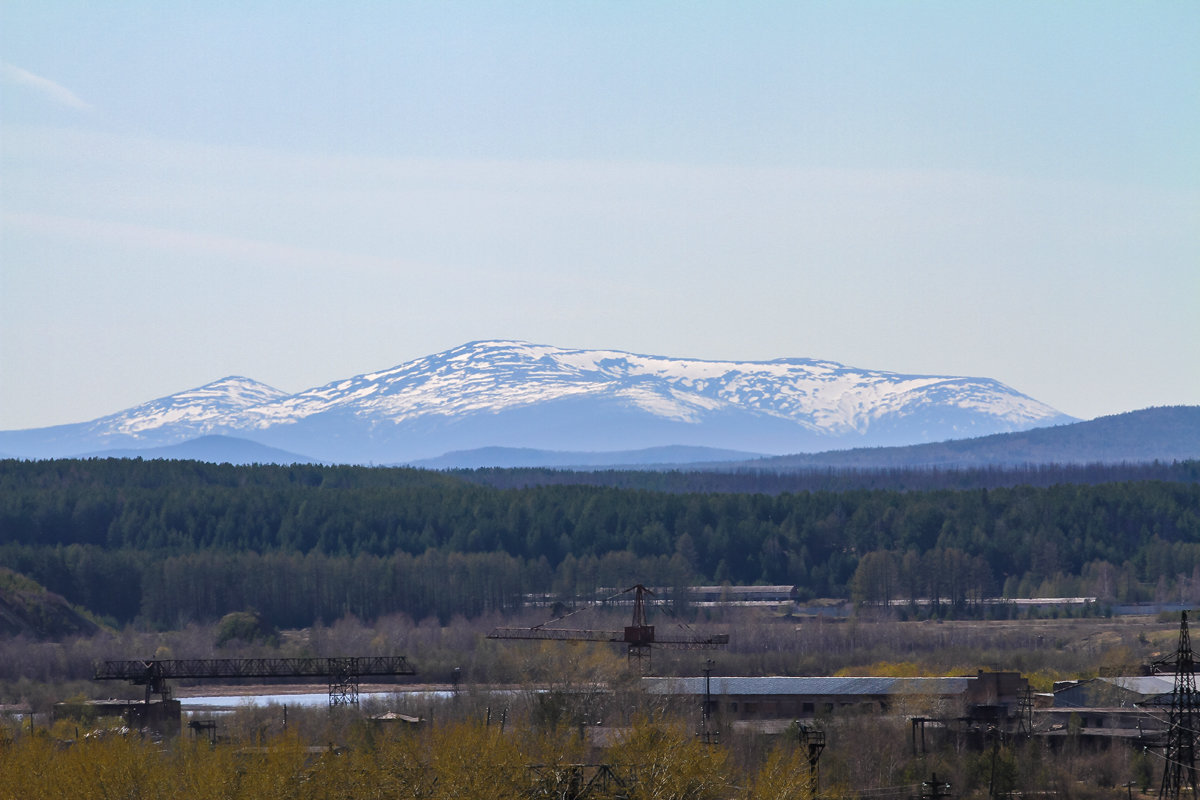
pixel 169 542
pixel 769 478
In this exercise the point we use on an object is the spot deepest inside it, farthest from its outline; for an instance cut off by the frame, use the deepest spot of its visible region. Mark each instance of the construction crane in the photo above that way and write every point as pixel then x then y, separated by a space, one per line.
pixel 343 674
pixel 638 637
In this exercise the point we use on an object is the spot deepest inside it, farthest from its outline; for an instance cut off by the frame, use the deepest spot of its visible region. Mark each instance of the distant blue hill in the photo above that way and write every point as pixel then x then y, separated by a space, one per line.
pixel 510 457
pixel 1164 434
pixel 215 449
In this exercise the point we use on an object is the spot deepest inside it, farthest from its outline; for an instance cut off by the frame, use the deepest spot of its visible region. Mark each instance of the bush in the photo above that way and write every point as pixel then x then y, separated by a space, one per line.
pixel 243 626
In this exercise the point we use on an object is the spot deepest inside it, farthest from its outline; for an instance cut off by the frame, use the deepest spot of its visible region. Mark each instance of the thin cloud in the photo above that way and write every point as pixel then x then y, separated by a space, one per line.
pixel 57 93
pixel 173 240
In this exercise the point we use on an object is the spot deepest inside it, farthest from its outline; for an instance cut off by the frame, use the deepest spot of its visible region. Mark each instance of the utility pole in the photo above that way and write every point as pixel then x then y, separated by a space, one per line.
pixel 1025 723
pixel 707 734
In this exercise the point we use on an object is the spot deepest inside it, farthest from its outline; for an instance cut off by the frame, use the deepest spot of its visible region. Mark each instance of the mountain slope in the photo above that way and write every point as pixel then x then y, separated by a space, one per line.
pixel 1168 433
pixel 27 609
pixel 519 395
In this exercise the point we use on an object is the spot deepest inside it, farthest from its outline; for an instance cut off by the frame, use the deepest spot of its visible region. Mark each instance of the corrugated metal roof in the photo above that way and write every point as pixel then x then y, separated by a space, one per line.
pixel 1147 685
pixel 1117 692
pixel 809 686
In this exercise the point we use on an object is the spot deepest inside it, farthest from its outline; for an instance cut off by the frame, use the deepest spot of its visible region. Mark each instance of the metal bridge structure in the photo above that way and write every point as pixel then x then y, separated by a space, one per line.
pixel 638 637
pixel 342 674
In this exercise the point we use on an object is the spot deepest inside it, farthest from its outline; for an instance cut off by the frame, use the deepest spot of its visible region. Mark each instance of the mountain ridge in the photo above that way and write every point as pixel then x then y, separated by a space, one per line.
pixel 505 393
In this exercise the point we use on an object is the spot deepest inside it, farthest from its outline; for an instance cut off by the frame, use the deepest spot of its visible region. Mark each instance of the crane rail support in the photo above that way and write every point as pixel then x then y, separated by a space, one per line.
pixel 140 672
pixel 698 642
pixel 343 674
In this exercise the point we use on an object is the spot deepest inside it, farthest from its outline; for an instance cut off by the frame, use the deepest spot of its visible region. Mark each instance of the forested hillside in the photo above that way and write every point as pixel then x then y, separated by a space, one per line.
pixel 172 542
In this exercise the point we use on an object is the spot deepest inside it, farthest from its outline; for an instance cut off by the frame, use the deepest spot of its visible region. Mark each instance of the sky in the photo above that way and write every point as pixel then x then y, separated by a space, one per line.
pixel 300 192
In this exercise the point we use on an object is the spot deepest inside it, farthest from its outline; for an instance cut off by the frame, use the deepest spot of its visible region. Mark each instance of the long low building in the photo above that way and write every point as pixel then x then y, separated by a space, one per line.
pixel 990 695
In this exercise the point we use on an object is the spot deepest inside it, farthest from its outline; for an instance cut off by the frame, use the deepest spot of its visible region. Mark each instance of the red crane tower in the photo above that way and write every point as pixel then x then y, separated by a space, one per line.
pixel 639 636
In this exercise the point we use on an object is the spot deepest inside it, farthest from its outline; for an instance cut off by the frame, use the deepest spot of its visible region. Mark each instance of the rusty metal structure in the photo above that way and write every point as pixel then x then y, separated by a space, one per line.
pixel 577 782
pixel 342 674
pixel 638 637
pixel 812 740
pixel 934 789
pixel 1179 773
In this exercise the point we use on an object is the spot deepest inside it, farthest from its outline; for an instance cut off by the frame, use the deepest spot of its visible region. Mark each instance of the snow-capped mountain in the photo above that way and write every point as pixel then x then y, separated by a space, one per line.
pixel 196 410
pixel 515 394
pixel 158 423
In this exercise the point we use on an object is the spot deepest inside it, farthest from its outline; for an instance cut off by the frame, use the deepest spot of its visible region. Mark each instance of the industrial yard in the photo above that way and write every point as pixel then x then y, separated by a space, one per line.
pixel 1090 707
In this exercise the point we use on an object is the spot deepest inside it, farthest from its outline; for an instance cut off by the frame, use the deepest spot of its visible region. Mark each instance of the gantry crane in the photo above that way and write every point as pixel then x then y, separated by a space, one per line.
pixel 343 674
pixel 639 637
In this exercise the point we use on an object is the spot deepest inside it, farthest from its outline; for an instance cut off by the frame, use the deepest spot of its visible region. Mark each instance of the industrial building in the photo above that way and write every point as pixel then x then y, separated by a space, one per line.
pixel 984 696
pixel 1133 707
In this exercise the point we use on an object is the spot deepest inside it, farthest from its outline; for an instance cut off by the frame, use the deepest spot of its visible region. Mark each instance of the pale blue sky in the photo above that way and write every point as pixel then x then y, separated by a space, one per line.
pixel 299 192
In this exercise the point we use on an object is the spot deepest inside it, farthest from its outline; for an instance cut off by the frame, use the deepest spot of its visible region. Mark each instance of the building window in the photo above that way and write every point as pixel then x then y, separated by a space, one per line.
pixel 808 708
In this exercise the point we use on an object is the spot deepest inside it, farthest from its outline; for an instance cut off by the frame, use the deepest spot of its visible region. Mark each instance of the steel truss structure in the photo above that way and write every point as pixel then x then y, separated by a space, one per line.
pixel 342 674
pixel 638 637
pixel 1179 772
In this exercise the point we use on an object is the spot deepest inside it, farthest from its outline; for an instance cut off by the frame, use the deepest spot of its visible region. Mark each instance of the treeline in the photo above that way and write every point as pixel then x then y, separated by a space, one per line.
pixel 177 541
pixel 768 478
pixel 292 590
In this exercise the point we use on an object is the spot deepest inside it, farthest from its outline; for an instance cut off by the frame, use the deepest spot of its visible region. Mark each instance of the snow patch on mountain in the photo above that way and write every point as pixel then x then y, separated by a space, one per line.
pixel 203 408
pixel 491 376
pixel 486 377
